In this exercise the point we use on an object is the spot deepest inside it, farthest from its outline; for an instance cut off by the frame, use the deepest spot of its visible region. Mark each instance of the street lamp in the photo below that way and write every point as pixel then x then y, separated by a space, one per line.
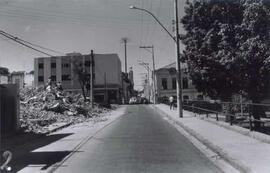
pixel 177 47
pixel 136 8
pixel 153 74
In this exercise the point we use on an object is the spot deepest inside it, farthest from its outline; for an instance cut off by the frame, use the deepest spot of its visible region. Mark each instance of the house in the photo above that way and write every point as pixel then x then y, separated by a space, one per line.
pixel 166 83
pixel 107 73
pixel 29 79
pixel 17 78
pixel 4 75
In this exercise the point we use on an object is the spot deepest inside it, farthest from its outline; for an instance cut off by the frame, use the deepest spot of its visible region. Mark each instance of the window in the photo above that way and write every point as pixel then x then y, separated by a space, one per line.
pixel 53 65
pixel 40 65
pixel 66 77
pixel 174 83
pixel 40 79
pixel 164 83
pixel 53 77
pixel 65 65
pixel 87 63
pixel 185 83
pixel 17 81
pixel 186 97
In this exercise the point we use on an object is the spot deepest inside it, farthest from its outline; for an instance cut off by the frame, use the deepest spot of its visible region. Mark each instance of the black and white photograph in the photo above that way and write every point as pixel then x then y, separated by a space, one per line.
pixel 135 86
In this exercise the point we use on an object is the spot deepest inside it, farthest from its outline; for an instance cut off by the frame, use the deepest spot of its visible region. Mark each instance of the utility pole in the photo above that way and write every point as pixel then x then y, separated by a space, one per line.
pixel 125 43
pixel 125 40
pixel 146 66
pixel 92 78
pixel 153 72
pixel 105 89
pixel 176 40
pixel 148 85
pixel 178 66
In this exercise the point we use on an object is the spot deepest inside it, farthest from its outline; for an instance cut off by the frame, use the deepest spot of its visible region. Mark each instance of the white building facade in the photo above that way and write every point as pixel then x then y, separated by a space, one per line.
pixel 166 83
pixel 107 73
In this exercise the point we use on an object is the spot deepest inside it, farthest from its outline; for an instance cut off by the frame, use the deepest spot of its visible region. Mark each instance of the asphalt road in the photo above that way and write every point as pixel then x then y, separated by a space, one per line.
pixel 140 141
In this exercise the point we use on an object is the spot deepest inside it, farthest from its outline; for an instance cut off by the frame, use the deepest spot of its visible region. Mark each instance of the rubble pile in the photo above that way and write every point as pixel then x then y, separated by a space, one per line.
pixel 41 107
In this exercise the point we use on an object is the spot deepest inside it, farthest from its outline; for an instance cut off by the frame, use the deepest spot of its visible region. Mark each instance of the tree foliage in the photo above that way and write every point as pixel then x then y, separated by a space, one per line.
pixel 227 47
pixel 81 75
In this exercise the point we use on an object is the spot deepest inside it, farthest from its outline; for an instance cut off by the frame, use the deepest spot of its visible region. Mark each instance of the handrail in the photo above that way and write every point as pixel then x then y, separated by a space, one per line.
pixel 220 102
pixel 232 116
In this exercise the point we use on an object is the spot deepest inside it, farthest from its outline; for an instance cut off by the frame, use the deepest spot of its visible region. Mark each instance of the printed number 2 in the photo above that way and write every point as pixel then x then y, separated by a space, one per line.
pixel 7 155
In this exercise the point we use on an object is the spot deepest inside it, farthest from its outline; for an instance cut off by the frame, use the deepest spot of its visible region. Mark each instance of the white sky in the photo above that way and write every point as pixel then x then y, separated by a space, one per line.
pixel 82 25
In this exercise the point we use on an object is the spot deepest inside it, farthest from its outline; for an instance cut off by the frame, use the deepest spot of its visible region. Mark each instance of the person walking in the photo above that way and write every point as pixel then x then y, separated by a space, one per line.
pixel 171 102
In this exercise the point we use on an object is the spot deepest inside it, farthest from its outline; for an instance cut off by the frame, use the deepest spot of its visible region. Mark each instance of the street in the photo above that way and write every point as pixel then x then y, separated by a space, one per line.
pixel 140 141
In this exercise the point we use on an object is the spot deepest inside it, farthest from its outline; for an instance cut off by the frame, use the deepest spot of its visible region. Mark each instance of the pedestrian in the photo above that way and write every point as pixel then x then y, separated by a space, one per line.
pixel 171 102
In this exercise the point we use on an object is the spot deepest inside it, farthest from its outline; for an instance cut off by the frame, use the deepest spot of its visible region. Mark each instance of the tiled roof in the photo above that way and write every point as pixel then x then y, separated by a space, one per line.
pixel 172 65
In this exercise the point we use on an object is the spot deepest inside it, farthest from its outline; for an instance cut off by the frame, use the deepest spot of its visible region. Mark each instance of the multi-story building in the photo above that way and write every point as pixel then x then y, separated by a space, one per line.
pixel 107 73
pixel 166 83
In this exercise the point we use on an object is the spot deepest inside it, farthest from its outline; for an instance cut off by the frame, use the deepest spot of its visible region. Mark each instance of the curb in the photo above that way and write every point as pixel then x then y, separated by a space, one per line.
pixel 55 166
pixel 234 163
pixel 58 128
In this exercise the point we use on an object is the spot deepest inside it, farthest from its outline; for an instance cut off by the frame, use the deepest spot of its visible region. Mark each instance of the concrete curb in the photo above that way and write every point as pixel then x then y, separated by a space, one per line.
pixel 58 128
pixel 237 164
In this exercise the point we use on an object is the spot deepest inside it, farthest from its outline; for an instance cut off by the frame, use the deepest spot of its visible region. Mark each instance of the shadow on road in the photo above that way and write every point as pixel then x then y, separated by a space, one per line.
pixel 24 155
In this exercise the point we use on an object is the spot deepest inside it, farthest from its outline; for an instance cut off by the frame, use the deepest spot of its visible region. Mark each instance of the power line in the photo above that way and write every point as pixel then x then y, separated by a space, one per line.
pixel 16 40
pixel 36 45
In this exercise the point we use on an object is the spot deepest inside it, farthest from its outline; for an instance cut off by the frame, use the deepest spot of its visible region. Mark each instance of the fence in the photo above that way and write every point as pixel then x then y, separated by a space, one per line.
pixel 241 114
pixel 9 107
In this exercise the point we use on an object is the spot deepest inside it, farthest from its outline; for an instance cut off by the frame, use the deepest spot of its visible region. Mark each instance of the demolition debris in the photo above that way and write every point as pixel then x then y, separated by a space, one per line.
pixel 41 107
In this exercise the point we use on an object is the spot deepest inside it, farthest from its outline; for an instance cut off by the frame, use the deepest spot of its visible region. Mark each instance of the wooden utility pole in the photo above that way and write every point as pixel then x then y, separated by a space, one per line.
pixel 178 66
pixel 105 89
pixel 153 72
pixel 92 78
pixel 125 40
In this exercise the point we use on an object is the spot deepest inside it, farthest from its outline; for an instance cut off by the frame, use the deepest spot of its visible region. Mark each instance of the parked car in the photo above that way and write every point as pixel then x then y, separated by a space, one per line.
pixel 133 100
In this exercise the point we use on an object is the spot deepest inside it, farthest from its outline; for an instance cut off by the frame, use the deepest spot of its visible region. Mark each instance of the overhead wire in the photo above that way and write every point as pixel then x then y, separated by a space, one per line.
pixel 24 44
pixel 35 45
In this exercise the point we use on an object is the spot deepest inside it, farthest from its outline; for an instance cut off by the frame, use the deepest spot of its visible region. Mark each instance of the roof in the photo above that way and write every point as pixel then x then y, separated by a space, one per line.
pixel 172 65
pixel 4 70
pixel 18 73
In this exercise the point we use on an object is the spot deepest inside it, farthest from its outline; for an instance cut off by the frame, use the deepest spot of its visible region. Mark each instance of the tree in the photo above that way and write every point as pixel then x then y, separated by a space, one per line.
pixel 227 47
pixel 4 71
pixel 81 74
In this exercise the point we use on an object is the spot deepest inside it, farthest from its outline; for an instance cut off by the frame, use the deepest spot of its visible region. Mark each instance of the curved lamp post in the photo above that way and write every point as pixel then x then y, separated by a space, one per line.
pixel 178 65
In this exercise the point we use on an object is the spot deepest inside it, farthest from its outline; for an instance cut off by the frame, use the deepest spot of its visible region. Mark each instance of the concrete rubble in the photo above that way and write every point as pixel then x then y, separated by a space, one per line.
pixel 41 107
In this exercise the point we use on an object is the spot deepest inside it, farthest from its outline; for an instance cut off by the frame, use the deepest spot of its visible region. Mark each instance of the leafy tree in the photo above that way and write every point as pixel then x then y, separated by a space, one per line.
pixel 227 47
pixel 81 74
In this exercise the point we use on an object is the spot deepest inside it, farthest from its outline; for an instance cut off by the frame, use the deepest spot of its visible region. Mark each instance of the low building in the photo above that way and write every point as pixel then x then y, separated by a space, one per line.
pixel 107 73
pixel 166 83
pixel 4 75
pixel 17 78
pixel 29 79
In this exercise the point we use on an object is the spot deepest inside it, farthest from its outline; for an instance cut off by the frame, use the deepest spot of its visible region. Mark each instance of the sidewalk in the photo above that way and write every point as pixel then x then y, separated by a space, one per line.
pixel 48 152
pixel 11 141
pixel 241 151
